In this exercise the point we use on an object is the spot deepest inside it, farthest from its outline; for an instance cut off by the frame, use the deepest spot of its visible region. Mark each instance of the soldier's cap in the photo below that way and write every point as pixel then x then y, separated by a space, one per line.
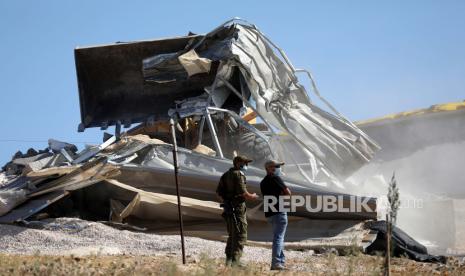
pixel 273 163
pixel 241 158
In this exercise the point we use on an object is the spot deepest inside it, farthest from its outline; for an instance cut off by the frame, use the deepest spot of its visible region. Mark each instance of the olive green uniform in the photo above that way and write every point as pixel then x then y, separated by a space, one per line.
pixel 231 188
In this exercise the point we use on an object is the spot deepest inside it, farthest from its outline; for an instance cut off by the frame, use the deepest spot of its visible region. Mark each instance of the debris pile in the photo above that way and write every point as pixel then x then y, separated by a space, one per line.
pixel 244 89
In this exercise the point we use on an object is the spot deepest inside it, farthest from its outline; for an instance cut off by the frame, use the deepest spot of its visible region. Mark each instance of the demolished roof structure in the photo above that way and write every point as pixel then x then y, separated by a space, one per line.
pixel 245 70
pixel 244 89
pixel 131 183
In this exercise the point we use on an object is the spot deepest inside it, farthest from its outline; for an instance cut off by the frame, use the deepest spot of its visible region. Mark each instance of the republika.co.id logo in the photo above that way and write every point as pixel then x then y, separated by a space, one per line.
pixel 319 203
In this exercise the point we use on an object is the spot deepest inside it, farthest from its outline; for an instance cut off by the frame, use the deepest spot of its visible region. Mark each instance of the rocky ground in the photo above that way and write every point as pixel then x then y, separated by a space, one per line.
pixel 71 236
pixel 68 246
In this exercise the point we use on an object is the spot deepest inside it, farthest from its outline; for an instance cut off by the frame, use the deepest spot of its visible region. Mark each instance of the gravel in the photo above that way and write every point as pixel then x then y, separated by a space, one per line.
pixel 71 236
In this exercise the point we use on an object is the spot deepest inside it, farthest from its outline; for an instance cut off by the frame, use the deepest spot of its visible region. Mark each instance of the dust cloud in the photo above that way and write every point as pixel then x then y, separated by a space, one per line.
pixel 431 184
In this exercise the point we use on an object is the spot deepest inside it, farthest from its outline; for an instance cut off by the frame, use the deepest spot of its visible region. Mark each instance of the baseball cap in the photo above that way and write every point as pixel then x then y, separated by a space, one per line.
pixel 242 158
pixel 273 163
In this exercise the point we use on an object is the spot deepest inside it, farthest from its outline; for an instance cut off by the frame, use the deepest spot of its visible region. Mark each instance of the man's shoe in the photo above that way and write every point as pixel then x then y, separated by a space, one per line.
pixel 238 264
pixel 278 267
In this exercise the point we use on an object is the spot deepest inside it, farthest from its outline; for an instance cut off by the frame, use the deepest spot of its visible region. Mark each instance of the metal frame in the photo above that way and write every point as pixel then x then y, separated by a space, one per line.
pixel 234 90
pixel 240 121
pixel 211 126
pixel 208 117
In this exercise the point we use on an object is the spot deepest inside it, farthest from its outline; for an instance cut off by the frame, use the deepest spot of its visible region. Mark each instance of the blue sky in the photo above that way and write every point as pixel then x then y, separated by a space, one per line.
pixel 369 58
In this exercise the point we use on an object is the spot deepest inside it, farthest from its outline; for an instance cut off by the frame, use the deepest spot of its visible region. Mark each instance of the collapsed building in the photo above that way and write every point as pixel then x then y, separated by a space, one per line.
pixel 231 91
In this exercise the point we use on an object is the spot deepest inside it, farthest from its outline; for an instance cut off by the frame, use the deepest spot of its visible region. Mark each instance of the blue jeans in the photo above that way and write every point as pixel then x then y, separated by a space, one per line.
pixel 279 225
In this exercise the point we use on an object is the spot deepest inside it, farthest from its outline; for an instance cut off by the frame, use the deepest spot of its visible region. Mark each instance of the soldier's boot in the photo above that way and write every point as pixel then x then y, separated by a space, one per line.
pixel 237 263
pixel 229 260
pixel 228 250
pixel 236 259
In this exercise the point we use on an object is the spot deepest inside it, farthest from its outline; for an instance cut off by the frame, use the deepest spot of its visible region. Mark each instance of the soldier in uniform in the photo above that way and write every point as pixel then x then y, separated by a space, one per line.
pixel 233 192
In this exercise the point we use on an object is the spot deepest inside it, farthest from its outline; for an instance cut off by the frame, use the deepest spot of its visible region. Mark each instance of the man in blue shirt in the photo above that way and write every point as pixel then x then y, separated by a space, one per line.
pixel 272 187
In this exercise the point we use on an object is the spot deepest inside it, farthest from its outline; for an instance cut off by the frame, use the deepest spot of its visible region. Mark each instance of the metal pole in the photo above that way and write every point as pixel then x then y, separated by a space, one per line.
pixel 118 129
pixel 387 269
pixel 202 123
pixel 208 117
pixel 176 179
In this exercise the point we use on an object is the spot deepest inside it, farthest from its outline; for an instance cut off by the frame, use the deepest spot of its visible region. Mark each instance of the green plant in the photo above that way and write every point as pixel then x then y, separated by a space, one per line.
pixel 394 199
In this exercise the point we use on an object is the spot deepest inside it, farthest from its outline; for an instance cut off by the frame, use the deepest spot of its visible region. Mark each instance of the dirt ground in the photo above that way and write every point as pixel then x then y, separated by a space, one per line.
pixel 70 246
pixel 202 265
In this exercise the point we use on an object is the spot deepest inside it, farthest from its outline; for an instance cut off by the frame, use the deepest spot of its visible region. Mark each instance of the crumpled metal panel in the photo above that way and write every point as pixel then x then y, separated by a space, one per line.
pixel 338 147
pixel 199 174
pixel 32 207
